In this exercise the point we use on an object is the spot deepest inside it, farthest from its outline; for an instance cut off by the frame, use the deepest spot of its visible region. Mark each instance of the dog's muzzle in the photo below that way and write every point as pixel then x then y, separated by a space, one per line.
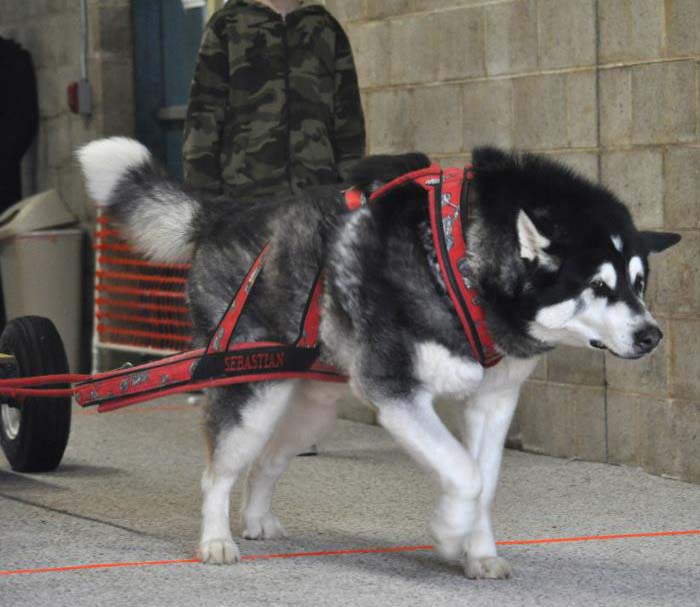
pixel 645 340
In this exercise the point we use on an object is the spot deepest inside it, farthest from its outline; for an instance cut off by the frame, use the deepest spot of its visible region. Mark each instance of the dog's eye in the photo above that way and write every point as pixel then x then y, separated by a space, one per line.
pixel 639 285
pixel 600 289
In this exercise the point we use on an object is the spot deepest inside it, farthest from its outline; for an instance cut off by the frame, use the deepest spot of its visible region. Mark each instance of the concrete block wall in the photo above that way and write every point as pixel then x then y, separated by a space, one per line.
pixel 611 87
pixel 50 31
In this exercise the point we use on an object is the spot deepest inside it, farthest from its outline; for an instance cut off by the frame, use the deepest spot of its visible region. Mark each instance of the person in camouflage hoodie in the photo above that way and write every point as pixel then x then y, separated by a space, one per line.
pixel 274 104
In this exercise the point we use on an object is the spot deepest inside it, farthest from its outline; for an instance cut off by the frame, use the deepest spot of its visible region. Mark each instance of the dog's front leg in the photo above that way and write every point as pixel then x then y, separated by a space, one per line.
pixel 416 427
pixel 488 416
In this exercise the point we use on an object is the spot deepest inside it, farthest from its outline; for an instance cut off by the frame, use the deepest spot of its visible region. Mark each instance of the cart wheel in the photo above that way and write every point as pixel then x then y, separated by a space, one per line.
pixel 34 436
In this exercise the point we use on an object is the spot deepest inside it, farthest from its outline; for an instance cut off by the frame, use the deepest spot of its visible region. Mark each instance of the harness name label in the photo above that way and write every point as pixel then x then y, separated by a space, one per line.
pixel 254 362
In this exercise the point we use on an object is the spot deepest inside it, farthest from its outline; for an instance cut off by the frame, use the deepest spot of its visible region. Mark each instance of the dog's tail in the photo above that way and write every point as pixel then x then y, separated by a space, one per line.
pixel 154 214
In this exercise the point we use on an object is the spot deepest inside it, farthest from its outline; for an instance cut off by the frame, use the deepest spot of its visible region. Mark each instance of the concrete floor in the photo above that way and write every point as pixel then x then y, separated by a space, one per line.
pixel 128 491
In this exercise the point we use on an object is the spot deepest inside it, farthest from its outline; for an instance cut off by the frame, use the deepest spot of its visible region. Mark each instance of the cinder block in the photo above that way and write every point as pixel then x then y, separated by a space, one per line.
pixel 410 38
pixel 654 103
pixel 459 160
pixel 674 285
pixel 377 9
pixel 57 48
pixel 566 33
pixel 388 128
pixel 636 176
pixel 564 421
pixel 615 107
pixel 58 143
pixel 571 365
pixel 581 110
pixel 51 90
pixel 669 432
pixel 117 78
pixel 459 49
pixel 584 163
pixel 115 30
pixel 487 113
pixel 533 419
pixel 554 111
pixel 685 354
pixel 428 118
pixel 648 375
pixel 658 434
pixel 682 27
pixel 60 6
pixel 540 371
pixel 436 117
pixel 511 37
pixel 682 188
pixel 631 29
pixel 81 130
pixel 346 10
pixel 624 430
pixel 431 5
pixel 117 121
pixel 451 413
pixel 72 190
pixel 354 410
pixel 371 47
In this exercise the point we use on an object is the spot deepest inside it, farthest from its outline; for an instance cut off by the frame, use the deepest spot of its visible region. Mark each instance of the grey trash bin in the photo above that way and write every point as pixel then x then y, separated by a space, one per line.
pixel 41 266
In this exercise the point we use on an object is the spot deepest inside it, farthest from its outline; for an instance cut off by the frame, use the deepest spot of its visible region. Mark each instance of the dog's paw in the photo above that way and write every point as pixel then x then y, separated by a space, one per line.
pixel 219 552
pixel 487 568
pixel 266 527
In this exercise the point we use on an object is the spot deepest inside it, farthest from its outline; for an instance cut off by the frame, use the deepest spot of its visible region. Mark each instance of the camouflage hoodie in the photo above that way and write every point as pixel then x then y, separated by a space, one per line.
pixel 274 104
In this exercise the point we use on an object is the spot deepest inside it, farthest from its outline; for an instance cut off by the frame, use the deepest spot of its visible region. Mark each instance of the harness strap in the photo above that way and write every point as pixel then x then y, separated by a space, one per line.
pixel 445 200
pixel 448 200
pixel 223 333
pixel 221 362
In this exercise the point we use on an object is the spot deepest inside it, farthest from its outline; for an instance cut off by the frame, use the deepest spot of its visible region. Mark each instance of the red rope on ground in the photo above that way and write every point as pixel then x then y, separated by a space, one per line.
pixel 256 557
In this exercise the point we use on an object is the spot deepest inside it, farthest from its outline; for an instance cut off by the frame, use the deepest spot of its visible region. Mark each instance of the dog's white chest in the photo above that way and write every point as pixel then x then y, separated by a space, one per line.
pixel 443 373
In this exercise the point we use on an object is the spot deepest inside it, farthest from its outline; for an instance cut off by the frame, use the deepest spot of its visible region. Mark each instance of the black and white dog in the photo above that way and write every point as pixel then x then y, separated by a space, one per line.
pixel 556 258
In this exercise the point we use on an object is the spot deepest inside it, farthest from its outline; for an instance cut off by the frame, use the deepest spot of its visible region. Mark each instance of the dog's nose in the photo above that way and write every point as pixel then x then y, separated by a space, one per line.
pixel 646 339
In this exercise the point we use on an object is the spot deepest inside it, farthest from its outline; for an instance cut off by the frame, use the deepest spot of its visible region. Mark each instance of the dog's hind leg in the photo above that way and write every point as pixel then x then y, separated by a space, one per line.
pixel 240 420
pixel 311 414
pixel 488 417
pixel 417 428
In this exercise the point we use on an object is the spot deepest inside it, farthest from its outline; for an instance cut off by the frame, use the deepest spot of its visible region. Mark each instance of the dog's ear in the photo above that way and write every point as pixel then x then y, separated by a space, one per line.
pixel 532 242
pixel 655 242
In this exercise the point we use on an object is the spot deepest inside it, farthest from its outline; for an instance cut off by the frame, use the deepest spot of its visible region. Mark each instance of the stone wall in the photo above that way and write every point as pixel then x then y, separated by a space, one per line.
pixel 610 87
pixel 50 31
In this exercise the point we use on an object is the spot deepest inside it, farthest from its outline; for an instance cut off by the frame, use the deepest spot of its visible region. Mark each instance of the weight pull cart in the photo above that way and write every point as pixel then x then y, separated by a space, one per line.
pixel 36 389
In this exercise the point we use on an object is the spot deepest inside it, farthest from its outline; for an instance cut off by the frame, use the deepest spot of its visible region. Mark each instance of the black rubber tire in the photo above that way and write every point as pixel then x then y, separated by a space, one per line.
pixel 45 422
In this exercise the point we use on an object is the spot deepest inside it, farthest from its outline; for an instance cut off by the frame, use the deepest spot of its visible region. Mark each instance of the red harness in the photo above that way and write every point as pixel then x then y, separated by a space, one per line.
pixel 223 362
pixel 448 196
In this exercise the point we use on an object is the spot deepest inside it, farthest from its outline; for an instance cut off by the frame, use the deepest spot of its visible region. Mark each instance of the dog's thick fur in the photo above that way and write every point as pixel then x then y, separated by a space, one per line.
pixel 557 260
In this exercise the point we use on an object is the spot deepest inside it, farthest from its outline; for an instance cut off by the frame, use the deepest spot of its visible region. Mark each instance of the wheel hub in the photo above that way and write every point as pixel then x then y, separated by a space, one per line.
pixel 11 419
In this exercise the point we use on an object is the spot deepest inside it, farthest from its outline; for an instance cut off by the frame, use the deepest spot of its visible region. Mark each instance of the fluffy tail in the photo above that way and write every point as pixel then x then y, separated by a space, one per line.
pixel 153 213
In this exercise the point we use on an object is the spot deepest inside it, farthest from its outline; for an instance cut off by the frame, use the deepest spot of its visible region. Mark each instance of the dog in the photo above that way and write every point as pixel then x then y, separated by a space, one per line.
pixel 555 257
